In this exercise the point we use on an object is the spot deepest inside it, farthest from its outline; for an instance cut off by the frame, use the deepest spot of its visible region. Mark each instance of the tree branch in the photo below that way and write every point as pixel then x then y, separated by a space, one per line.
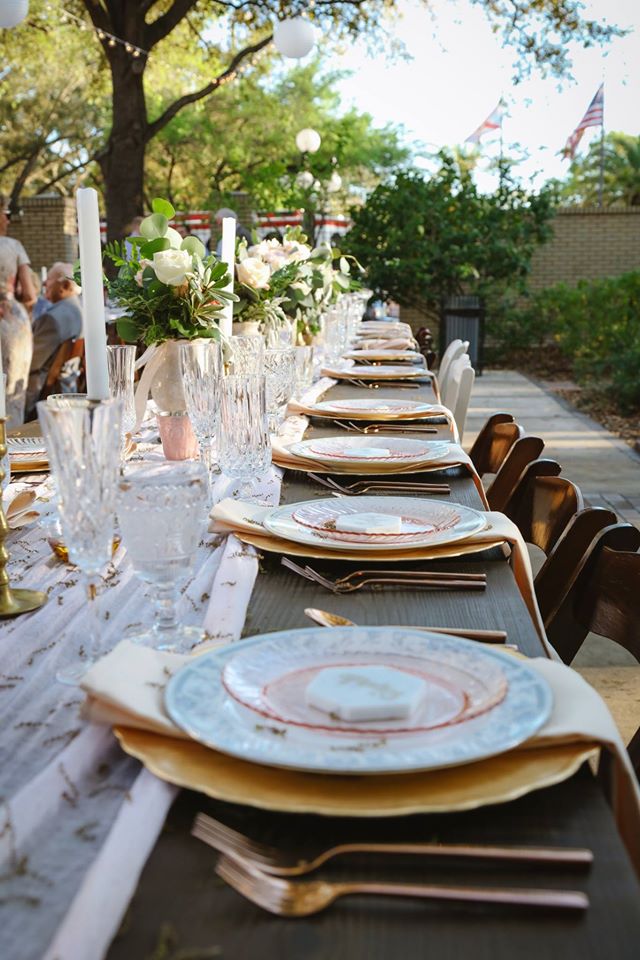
pixel 98 14
pixel 162 27
pixel 181 102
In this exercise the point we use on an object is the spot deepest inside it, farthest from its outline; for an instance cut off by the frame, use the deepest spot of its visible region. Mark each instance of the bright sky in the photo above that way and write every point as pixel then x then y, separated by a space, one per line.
pixel 459 70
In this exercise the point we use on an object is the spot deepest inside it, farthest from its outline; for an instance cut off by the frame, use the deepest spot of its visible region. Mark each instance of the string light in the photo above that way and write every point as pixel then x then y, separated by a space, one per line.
pixel 104 35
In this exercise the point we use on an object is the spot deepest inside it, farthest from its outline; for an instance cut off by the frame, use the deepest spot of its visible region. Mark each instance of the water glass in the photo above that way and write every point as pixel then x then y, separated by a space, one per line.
pixel 162 511
pixel 244 444
pixel 304 369
pixel 201 363
pixel 245 356
pixel 83 445
pixel 121 361
pixel 280 373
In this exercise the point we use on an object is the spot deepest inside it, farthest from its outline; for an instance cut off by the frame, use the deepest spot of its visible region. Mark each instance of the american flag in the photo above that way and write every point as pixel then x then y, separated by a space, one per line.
pixel 493 122
pixel 594 117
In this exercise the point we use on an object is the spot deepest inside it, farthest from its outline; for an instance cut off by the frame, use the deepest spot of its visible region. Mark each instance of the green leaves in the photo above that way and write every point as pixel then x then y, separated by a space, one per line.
pixel 154 226
pixel 127 329
pixel 194 246
pixel 163 207
pixel 148 249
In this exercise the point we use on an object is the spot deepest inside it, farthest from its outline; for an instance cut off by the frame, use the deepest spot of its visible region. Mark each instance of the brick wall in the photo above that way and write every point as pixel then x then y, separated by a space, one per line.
pixel 588 243
pixel 46 227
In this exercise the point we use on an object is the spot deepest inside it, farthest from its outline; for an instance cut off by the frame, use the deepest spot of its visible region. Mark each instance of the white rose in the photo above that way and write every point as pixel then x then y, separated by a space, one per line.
pixel 295 251
pixel 254 273
pixel 172 266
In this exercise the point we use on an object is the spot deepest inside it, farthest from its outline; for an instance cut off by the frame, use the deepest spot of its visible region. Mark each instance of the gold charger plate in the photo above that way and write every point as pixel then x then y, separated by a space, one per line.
pixel 497 780
pixel 28 466
pixel 360 469
pixel 277 545
pixel 368 414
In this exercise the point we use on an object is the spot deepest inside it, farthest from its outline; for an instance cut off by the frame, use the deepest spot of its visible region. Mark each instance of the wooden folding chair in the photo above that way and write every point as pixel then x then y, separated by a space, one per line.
pixel 493 443
pixel 603 597
pixel 68 350
pixel 522 452
pixel 543 503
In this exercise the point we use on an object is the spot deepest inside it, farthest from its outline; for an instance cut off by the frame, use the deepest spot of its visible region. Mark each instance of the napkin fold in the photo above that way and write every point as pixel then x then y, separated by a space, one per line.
pixel 389 343
pixel 126 687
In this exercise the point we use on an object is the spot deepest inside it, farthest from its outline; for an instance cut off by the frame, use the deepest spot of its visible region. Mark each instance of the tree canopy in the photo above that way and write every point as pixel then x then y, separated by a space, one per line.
pixel 207 45
pixel 422 239
pixel 621 179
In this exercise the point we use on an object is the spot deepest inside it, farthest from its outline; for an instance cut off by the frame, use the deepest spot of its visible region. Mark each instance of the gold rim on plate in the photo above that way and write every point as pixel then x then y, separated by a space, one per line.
pixel 496 780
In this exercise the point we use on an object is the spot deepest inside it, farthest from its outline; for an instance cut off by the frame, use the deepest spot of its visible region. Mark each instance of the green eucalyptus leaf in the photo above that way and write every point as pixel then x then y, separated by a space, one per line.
pixel 194 246
pixel 154 226
pixel 163 207
pixel 153 246
pixel 127 329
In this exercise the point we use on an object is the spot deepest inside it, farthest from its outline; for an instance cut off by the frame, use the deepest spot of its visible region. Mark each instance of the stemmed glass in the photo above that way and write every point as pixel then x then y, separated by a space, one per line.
pixel 201 366
pixel 162 509
pixel 121 361
pixel 280 373
pixel 244 445
pixel 303 369
pixel 82 437
pixel 245 355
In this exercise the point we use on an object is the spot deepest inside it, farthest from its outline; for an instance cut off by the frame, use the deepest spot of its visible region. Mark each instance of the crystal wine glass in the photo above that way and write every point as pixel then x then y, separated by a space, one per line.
pixel 245 355
pixel 244 443
pixel 82 437
pixel 303 369
pixel 280 372
pixel 162 510
pixel 121 361
pixel 201 367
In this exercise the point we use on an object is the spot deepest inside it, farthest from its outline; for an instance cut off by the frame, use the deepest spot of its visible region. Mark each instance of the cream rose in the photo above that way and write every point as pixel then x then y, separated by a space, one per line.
pixel 172 266
pixel 295 251
pixel 254 273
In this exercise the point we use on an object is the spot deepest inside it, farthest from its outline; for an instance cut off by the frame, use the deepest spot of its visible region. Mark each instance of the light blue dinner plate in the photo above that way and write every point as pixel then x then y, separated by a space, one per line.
pixel 199 703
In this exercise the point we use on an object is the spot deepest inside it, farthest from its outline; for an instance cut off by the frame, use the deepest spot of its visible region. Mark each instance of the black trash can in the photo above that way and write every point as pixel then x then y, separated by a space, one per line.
pixel 463 318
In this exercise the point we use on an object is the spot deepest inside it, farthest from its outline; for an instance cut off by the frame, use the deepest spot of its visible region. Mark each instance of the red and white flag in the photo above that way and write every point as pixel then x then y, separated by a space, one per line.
pixel 493 122
pixel 594 117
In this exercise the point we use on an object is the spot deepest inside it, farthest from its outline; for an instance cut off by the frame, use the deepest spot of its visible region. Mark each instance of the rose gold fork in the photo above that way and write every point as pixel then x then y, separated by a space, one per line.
pixel 283 864
pixel 405 578
pixel 362 486
pixel 289 899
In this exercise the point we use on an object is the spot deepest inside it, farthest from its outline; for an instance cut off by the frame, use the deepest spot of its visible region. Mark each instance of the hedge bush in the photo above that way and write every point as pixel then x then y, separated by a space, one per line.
pixel 595 324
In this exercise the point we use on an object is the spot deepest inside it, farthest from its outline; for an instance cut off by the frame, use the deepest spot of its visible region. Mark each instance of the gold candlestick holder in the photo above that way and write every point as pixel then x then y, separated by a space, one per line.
pixel 12 602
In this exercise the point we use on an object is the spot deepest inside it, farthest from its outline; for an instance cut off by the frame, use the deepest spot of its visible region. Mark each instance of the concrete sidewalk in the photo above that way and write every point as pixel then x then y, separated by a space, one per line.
pixel 605 468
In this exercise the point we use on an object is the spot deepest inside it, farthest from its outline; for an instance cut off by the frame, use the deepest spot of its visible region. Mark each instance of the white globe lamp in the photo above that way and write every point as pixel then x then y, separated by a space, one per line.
pixel 335 182
pixel 294 38
pixel 308 140
pixel 13 12
pixel 305 179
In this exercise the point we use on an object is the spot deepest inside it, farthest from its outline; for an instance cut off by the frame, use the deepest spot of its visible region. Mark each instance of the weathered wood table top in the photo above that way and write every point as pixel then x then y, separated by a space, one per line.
pixel 180 901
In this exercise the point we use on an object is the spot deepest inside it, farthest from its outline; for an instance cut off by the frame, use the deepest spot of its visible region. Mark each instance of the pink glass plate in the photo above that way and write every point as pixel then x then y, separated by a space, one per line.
pixel 348 448
pixel 454 695
pixel 322 517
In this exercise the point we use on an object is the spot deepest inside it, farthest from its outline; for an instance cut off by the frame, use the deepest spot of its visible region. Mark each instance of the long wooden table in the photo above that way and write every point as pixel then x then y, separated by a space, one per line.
pixel 180 904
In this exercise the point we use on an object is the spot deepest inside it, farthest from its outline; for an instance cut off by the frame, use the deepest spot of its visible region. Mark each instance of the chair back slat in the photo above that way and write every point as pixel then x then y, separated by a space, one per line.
pixel 602 595
pixel 493 442
pixel 542 504
pixel 554 575
pixel 522 452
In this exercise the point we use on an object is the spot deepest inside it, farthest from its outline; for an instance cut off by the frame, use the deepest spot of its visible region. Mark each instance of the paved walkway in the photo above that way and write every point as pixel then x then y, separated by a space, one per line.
pixel 605 468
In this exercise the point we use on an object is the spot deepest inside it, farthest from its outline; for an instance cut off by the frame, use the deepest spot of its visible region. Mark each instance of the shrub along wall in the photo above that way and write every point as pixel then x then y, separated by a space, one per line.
pixel 596 325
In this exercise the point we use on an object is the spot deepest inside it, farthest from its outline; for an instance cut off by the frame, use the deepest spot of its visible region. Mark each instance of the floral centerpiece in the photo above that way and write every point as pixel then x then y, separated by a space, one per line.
pixel 171 290
pixel 285 286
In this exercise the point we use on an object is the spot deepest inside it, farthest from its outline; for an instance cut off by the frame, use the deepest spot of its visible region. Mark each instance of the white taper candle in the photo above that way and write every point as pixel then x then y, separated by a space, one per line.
pixel 228 255
pixel 95 331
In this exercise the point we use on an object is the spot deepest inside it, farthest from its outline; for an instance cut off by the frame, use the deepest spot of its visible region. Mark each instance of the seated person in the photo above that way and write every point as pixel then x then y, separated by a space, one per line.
pixel 61 321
